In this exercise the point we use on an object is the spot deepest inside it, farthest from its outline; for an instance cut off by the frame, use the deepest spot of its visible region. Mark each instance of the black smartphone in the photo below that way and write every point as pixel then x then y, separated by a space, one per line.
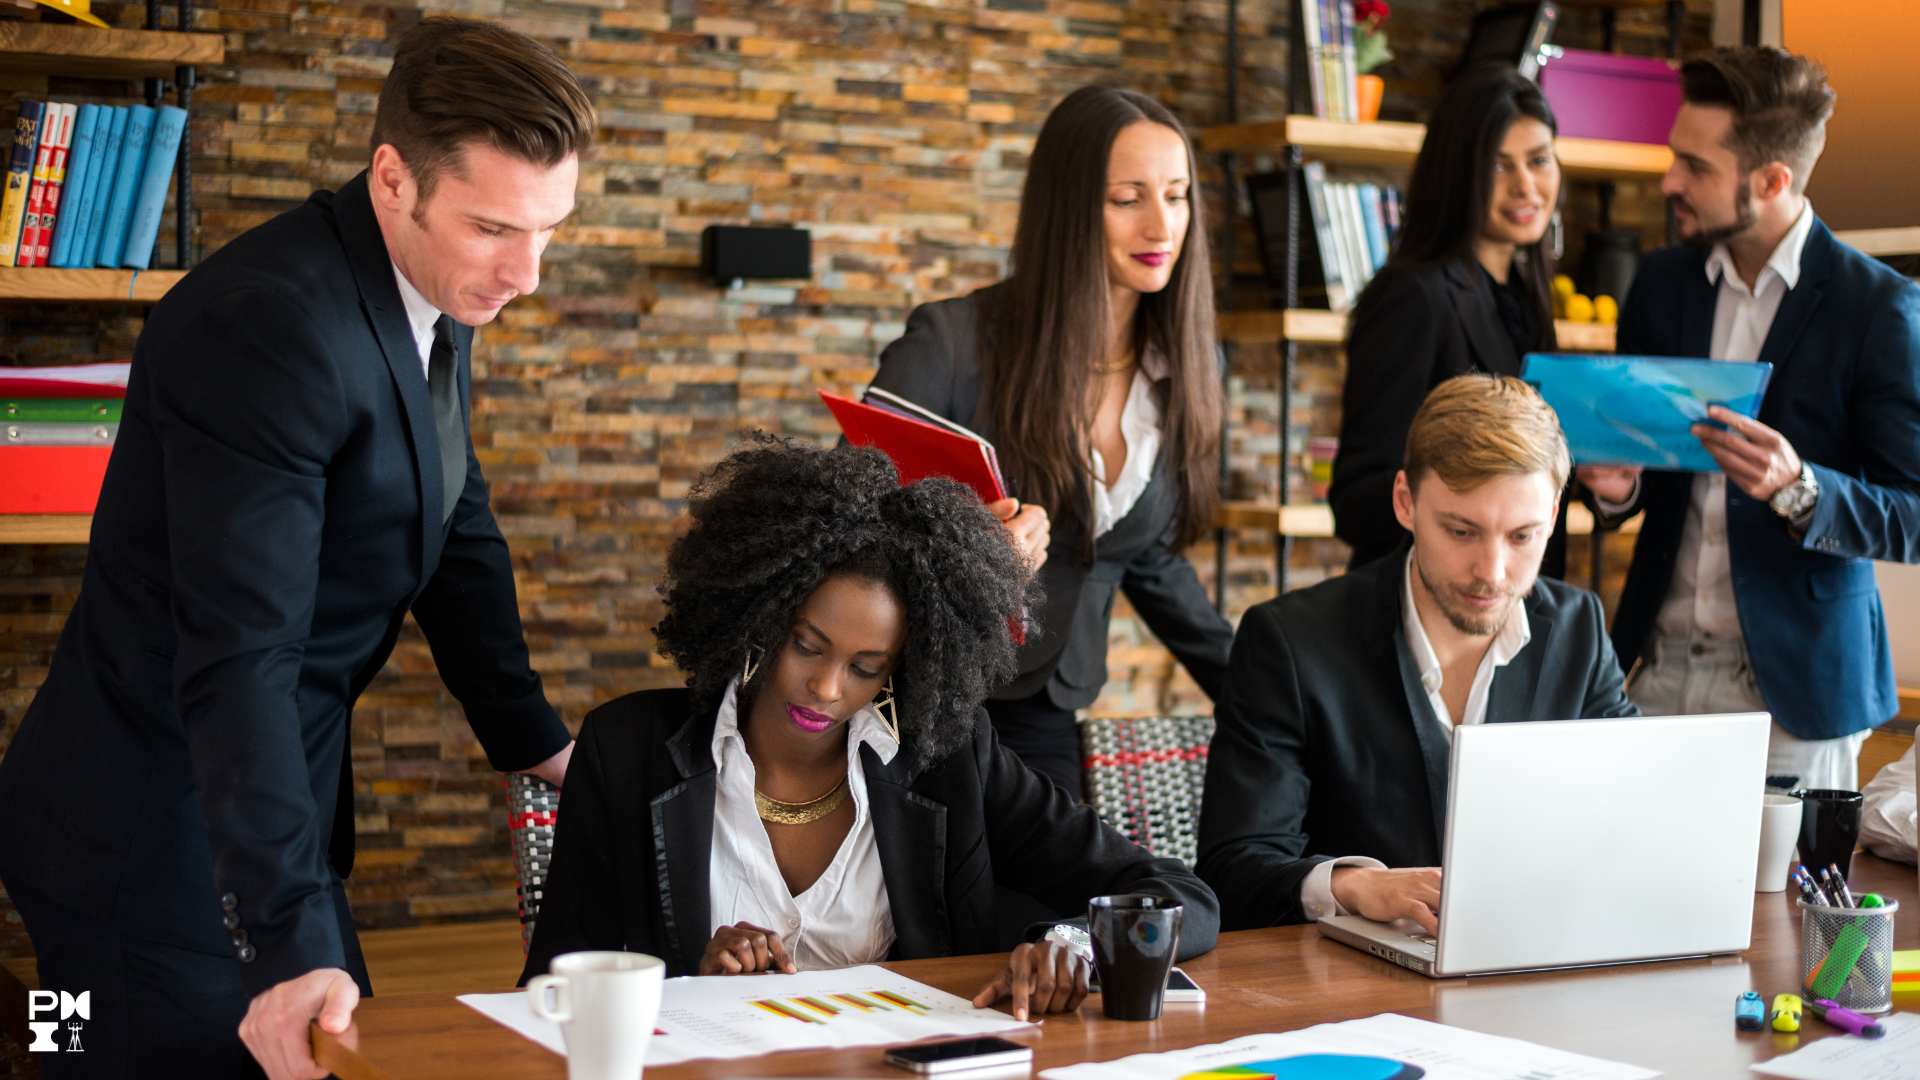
pixel 956 1054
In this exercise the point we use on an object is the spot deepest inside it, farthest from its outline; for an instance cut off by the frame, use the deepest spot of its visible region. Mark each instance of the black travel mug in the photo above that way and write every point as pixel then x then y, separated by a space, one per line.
pixel 1135 937
pixel 1829 828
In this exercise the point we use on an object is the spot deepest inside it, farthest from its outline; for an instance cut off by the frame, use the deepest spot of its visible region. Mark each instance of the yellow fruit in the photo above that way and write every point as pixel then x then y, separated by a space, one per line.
pixel 1579 309
pixel 1605 310
pixel 1562 285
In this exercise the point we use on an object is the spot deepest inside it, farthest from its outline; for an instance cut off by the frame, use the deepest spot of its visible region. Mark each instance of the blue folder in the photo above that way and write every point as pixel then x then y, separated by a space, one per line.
pixel 1639 410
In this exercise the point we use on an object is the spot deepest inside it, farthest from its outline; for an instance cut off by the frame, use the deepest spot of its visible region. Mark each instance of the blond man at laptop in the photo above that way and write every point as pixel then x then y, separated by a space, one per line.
pixel 1326 783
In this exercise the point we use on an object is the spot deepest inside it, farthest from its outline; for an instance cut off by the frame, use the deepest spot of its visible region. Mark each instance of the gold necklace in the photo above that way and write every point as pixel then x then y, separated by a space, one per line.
pixel 1123 364
pixel 800 813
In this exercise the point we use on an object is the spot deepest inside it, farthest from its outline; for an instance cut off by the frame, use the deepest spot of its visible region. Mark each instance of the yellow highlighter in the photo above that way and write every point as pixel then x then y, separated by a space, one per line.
pixel 1785 1015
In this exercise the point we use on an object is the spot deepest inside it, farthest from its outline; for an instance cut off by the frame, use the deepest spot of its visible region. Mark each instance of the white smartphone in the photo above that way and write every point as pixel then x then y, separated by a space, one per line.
pixel 1181 990
pixel 954 1055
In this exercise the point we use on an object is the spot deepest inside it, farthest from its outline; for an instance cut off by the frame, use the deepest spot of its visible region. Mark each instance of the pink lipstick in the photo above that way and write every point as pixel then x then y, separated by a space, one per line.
pixel 808 720
pixel 1153 258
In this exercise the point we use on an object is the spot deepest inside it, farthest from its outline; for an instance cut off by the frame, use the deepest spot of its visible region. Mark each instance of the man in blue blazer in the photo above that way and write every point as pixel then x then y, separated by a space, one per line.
pixel 1753 588
pixel 293 477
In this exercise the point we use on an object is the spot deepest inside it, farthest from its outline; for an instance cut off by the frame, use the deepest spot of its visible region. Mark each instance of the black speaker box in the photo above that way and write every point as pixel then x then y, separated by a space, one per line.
pixel 734 252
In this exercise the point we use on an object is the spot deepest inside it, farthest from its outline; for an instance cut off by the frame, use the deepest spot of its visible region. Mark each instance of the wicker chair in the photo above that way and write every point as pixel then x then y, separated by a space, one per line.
pixel 1145 775
pixel 533 807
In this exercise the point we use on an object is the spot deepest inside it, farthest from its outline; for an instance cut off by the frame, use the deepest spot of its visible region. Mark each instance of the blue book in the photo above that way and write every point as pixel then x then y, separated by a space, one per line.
pixel 1375 224
pixel 111 126
pixel 126 178
pixel 79 167
pixel 1639 410
pixel 151 203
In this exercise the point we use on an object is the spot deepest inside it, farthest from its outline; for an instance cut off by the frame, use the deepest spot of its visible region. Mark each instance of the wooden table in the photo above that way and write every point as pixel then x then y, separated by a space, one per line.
pixel 1675 1016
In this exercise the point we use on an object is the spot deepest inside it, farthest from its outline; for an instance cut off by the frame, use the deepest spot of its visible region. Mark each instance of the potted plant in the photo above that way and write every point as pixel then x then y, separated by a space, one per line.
pixel 1369 52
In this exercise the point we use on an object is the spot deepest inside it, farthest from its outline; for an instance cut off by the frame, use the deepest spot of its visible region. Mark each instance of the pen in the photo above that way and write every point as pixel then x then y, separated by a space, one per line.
pixel 1833 891
pixel 1840 882
pixel 1807 892
pixel 1820 897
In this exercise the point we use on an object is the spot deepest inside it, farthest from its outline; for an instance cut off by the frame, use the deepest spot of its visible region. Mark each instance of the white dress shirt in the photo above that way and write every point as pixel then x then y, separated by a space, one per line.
pixel 421 316
pixel 1700 593
pixel 1888 818
pixel 843 918
pixel 1140 428
pixel 1316 891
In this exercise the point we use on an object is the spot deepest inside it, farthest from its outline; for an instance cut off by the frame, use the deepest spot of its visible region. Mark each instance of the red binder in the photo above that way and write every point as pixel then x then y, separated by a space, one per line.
pixel 51 479
pixel 920 448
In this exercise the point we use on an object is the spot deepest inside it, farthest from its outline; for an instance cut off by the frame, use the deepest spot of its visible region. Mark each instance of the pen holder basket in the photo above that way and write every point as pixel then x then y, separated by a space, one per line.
pixel 1846 955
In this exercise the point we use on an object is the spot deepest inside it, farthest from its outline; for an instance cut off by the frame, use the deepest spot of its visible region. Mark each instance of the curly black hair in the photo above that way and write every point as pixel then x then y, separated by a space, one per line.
pixel 776 518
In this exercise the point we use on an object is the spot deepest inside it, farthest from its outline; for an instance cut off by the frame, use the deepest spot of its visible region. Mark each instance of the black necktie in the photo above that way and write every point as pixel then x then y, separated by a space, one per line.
pixel 443 384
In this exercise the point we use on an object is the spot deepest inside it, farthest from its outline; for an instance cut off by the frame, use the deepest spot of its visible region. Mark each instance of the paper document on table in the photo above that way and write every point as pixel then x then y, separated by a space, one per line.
pixel 1896 1056
pixel 1434 1051
pixel 731 1016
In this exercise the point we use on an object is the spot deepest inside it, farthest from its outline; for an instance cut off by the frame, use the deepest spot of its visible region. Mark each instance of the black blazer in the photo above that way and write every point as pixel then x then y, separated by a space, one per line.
pixel 635 836
pixel 1412 331
pixel 1326 743
pixel 1845 350
pixel 259 539
pixel 937 365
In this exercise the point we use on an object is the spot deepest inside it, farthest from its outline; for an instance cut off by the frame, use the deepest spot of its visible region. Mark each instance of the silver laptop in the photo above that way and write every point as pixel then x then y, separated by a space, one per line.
pixel 1573 843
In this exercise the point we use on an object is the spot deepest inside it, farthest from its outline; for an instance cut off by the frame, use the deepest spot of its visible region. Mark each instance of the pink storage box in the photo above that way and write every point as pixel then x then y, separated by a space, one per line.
pixel 1602 96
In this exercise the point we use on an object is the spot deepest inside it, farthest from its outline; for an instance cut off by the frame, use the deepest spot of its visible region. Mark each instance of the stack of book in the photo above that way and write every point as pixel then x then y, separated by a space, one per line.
pixel 1330 64
pixel 87 184
pixel 59 427
pixel 1355 225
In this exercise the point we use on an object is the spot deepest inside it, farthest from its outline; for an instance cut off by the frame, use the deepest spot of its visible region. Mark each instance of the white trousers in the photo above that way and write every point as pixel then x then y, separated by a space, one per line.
pixel 1709 674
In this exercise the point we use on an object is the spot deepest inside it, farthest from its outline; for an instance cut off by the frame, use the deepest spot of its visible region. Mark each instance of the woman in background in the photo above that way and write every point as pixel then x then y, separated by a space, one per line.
pixel 825 790
pixel 1093 371
pixel 1467 288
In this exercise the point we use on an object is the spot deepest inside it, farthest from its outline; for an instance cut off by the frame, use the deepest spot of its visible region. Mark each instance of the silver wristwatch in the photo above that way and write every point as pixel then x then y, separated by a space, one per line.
pixel 1797 498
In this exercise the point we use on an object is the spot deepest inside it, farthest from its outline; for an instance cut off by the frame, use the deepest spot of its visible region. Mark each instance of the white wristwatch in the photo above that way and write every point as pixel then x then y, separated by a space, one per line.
pixel 1797 498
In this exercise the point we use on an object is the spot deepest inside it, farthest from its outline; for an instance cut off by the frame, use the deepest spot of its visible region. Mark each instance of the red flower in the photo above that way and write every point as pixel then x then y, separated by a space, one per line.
pixel 1371 11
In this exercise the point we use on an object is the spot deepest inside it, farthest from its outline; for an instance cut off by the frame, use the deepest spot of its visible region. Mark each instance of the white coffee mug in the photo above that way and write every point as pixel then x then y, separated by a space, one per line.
pixel 605 1004
pixel 1779 832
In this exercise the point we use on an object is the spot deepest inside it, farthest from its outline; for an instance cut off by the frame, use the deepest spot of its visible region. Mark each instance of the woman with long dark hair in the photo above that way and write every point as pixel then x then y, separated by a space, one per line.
pixel 1467 288
pixel 1093 370
pixel 825 790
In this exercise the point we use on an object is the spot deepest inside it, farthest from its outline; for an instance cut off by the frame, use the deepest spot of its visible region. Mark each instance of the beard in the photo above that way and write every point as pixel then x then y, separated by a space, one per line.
pixel 1467 620
pixel 1706 236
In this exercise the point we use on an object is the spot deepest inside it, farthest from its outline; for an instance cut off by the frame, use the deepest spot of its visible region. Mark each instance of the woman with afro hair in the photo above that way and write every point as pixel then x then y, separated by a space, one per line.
pixel 826 789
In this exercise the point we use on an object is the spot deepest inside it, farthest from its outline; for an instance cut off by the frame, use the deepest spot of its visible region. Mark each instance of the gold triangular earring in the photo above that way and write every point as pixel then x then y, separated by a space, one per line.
pixel 746 674
pixel 888 711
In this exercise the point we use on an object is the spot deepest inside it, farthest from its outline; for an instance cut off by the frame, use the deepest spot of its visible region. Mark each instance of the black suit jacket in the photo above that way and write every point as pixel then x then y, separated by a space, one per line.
pixel 1327 745
pixel 1845 350
pixel 259 539
pixel 1412 331
pixel 936 365
pixel 630 860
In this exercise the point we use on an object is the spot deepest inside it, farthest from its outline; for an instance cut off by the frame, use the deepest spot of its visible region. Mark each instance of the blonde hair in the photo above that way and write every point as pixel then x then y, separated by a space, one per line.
pixel 1477 428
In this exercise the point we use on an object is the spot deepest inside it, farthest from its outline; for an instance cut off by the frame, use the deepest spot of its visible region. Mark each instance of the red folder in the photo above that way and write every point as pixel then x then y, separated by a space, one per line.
pixel 920 449
pixel 51 479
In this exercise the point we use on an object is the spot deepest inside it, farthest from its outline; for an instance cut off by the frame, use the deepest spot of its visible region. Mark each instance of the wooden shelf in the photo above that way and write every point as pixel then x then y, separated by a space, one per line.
pixel 1882 241
pixel 54 49
pixel 1304 520
pixel 49 283
pixel 1330 328
pixel 1388 143
pixel 45 528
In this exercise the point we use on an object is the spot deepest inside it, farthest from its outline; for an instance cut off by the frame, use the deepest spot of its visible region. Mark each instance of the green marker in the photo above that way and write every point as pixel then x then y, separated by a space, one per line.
pixel 1872 899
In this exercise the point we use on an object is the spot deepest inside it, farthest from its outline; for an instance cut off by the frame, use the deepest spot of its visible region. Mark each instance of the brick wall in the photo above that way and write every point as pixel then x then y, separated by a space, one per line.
pixel 896 132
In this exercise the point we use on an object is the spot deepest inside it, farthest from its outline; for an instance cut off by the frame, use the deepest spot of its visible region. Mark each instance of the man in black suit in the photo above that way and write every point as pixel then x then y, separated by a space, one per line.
pixel 1326 787
pixel 293 475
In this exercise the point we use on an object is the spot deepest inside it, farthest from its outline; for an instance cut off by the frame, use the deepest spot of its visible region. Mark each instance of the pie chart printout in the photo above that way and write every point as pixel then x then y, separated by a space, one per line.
pixel 1314 1067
